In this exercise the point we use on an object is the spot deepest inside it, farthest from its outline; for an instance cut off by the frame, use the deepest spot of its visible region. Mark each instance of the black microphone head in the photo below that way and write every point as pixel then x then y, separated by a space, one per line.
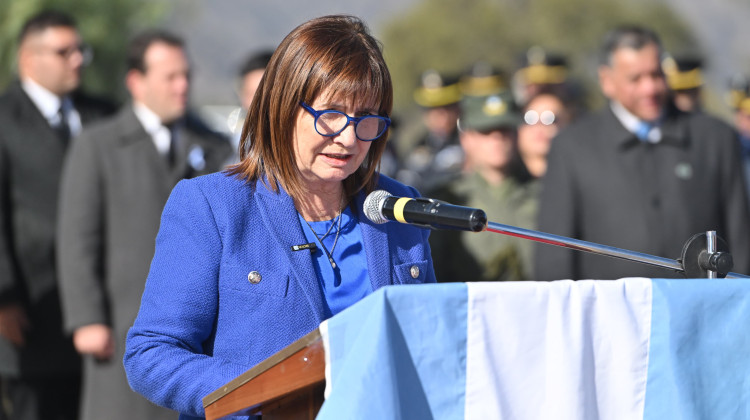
pixel 373 206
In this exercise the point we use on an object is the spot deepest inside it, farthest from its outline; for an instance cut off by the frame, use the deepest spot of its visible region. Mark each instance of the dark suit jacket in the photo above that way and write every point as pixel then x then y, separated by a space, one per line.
pixel 31 159
pixel 114 187
pixel 605 186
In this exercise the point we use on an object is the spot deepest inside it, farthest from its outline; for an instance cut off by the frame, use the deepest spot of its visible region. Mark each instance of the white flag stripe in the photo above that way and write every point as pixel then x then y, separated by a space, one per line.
pixel 579 350
pixel 326 338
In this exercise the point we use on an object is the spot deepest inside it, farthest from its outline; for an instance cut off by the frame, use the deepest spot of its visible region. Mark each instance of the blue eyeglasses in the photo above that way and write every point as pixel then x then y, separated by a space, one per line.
pixel 330 123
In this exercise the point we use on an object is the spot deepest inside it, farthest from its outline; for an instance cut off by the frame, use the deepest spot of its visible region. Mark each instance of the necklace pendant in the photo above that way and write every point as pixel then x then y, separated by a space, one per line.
pixel 312 246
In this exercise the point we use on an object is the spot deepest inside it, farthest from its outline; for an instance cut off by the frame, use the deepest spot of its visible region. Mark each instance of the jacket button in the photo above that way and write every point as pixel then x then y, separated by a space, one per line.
pixel 414 270
pixel 254 277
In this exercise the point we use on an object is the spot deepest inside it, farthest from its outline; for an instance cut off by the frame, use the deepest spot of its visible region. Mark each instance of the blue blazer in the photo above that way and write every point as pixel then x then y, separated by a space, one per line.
pixel 202 323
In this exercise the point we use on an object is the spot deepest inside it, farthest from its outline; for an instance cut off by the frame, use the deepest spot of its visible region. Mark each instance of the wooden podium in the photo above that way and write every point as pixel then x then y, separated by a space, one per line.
pixel 287 385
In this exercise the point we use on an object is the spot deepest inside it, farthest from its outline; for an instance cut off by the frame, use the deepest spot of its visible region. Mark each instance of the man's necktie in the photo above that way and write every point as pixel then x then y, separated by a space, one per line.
pixel 62 128
pixel 642 131
pixel 173 140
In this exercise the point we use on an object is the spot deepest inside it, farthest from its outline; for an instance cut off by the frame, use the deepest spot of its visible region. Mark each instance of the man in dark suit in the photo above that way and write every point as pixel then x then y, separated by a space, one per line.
pixel 115 183
pixel 39 113
pixel 640 174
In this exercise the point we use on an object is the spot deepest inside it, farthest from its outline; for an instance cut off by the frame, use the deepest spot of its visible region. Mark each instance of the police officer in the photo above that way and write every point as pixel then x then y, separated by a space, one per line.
pixel 496 183
pixel 435 155
pixel 540 70
pixel 685 79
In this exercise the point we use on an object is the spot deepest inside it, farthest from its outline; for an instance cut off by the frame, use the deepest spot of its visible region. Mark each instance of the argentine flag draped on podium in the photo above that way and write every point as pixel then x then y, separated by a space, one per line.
pixel 633 348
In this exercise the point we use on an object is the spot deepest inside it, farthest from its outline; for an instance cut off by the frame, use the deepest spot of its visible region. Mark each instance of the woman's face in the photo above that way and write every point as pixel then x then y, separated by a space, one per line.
pixel 326 161
pixel 535 136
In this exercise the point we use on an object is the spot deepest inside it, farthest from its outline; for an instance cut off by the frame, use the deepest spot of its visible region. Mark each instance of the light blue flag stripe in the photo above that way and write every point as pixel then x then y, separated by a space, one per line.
pixel 403 352
pixel 699 358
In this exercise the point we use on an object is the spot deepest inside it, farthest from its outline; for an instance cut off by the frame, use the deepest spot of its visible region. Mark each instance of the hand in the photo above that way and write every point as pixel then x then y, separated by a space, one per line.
pixel 13 322
pixel 96 340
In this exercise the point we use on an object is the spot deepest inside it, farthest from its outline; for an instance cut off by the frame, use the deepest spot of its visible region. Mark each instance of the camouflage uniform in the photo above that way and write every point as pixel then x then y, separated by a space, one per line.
pixel 486 256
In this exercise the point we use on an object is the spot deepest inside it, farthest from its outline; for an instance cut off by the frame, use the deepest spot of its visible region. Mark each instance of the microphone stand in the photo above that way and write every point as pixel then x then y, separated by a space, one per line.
pixel 700 255
pixel 703 255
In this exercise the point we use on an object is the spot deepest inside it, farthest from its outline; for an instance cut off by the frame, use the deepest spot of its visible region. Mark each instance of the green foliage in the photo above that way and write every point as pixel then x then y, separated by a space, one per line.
pixel 450 35
pixel 105 25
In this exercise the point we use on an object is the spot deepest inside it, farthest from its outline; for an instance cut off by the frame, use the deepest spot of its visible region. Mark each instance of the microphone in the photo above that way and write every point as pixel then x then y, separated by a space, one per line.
pixel 380 207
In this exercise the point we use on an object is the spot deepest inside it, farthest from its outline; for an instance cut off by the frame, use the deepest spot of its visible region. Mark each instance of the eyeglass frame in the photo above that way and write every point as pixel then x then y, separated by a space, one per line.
pixel 315 113
pixel 539 119
pixel 67 52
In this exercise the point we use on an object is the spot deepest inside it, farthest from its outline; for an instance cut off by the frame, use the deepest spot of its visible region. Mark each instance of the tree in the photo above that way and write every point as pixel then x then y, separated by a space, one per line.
pixel 105 25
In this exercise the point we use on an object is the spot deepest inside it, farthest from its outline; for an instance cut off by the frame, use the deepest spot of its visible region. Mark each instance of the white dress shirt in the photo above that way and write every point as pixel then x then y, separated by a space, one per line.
pixel 633 123
pixel 49 105
pixel 151 122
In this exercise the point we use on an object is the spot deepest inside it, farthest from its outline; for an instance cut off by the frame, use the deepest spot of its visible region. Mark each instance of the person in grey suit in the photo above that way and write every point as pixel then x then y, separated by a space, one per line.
pixel 115 183
pixel 640 174
pixel 39 113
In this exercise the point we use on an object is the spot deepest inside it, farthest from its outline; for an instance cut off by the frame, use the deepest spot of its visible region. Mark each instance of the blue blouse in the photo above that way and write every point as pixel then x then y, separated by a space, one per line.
pixel 339 291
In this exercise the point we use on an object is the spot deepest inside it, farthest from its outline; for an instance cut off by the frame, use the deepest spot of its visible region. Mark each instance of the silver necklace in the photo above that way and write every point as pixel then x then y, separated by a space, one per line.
pixel 335 240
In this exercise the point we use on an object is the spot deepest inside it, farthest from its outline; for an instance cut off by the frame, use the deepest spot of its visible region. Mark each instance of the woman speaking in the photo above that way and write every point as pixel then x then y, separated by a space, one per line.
pixel 251 259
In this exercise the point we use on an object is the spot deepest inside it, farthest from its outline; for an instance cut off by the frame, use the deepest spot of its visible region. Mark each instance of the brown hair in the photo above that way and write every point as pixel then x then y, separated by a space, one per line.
pixel 336 54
